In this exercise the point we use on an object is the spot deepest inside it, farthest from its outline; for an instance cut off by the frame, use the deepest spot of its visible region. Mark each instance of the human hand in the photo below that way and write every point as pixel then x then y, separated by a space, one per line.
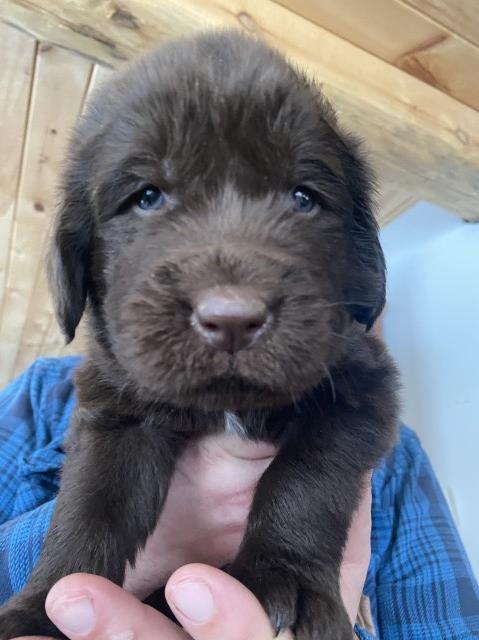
pixel 205 514
pixel 204 518
pixel 209 604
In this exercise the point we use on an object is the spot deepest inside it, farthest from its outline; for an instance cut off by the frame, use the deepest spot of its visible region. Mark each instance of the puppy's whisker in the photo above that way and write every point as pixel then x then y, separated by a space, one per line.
pixel 331 381
pixel 337 303
pixel 120 395
pixel 340 335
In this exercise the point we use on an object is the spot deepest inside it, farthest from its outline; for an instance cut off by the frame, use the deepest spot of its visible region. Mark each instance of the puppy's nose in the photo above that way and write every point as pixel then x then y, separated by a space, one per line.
pixel 229 318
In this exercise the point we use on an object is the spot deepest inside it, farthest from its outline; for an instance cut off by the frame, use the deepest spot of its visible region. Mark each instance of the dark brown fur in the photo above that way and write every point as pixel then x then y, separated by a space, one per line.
pixel 226 128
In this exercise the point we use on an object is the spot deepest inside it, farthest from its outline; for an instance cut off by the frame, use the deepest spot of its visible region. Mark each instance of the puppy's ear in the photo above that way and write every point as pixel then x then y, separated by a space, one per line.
pixel 69 259
pixel 366 290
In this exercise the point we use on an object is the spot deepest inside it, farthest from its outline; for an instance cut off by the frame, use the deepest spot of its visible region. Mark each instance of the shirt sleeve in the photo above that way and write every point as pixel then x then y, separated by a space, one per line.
pixel 420 581
pixel 34 413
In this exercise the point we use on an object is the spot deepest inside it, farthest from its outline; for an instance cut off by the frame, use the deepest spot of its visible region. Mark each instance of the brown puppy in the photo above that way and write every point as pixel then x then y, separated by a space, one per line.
pixel 217 224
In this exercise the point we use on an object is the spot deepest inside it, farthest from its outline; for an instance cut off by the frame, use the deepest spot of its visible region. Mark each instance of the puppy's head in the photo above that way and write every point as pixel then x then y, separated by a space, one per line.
pixel 218 223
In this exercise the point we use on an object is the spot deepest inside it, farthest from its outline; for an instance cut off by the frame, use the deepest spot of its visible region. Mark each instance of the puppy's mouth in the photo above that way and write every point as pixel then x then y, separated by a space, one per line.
pixel 231 393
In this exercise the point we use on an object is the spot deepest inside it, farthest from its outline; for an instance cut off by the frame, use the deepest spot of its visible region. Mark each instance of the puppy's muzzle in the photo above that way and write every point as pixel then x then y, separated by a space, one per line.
pixel 230 318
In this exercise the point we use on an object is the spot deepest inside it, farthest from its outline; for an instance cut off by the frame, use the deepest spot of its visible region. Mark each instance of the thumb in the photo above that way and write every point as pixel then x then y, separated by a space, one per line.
pixel 88 607
pixel 211 605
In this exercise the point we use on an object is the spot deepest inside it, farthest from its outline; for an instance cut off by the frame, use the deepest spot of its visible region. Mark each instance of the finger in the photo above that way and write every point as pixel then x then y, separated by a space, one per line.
pixel 87 607
pixel 357 554
pixel 211 605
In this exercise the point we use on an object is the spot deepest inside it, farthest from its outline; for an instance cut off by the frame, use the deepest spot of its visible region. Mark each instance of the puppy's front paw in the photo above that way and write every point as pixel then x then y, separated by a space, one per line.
pixel 312 614
pixel 25 620
pixel 321 616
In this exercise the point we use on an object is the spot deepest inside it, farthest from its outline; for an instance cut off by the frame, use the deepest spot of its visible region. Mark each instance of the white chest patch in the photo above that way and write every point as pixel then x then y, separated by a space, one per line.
pixel 233 424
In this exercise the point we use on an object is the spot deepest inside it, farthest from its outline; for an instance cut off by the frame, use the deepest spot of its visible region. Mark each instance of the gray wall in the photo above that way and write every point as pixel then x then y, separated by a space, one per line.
pixel 432 328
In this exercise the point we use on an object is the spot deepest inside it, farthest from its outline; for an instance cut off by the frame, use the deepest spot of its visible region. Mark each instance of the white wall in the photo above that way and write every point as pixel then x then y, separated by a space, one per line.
pixel 432 329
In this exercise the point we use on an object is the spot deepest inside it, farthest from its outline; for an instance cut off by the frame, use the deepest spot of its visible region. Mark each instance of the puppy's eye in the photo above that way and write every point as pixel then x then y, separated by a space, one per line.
pixel 304 199
pixel 150 199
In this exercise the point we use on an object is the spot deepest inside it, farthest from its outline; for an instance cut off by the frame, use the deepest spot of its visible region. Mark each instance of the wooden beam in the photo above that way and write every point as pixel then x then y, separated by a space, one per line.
pixel 459 16
pixel 426 134
pixel 403 36
pixel 393 201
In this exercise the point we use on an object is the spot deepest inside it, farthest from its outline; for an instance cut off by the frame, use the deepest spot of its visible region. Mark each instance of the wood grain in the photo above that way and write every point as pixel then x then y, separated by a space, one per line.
pixel 58 91
pixel 459 16
pixel 49 339
pixel 17 53
pixel 418 128
pixel 404 37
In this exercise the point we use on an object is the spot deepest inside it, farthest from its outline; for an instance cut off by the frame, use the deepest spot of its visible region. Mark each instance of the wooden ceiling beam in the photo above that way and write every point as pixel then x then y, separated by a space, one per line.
pixel 403 36
pixel 459 16
pixel 432 139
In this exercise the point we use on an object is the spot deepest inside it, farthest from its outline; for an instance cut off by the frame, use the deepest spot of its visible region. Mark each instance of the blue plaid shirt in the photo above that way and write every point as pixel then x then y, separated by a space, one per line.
pixel 419 582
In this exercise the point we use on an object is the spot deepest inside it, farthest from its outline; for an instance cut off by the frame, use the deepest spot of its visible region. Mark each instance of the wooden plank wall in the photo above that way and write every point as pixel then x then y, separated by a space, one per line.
pixel 42 90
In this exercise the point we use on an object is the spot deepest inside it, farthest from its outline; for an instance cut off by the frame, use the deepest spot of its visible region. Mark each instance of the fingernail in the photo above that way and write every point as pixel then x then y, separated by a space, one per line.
pixel 74 614
pixel 193 600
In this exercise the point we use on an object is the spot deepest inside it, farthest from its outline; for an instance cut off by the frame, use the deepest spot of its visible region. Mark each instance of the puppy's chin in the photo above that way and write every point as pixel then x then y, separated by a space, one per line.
pixel 230 394
pixel 230 386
